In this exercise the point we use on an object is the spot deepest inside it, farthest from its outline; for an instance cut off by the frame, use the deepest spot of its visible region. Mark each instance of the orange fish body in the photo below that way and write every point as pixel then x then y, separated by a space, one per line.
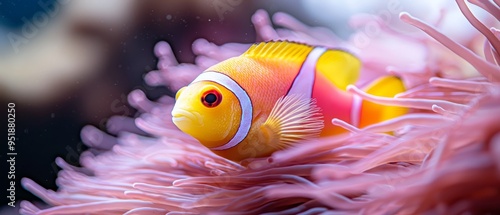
pixel 275 95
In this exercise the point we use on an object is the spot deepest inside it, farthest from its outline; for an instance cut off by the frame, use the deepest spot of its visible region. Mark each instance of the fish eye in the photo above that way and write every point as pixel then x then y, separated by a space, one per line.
pixel 211 98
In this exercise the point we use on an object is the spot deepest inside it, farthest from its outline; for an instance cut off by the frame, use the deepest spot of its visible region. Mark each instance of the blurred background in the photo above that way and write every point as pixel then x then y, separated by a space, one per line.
pixel 68 63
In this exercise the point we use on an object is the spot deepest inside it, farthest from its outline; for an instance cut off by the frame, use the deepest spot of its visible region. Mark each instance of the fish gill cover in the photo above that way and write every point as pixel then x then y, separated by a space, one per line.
pixel 443 159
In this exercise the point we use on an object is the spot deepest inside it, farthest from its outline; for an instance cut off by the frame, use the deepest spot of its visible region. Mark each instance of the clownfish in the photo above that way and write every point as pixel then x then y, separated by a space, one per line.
pixel 277 94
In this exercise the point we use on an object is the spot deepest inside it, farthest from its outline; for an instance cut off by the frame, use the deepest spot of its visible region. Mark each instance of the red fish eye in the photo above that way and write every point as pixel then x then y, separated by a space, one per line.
pixel 211 98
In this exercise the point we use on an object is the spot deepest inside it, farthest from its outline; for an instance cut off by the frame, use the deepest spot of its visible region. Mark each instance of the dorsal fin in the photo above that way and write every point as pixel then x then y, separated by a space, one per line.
pixel 340 67
pixel 279 50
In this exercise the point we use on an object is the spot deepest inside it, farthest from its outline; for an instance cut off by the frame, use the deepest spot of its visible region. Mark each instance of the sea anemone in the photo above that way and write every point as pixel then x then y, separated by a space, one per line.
pixel 442 158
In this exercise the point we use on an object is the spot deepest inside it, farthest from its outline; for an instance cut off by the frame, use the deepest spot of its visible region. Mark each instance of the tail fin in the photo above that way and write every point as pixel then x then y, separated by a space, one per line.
pixel 387 86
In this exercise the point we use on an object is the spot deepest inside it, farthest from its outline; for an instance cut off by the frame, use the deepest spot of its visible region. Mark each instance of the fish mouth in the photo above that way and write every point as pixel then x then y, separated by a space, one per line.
pixel 182 117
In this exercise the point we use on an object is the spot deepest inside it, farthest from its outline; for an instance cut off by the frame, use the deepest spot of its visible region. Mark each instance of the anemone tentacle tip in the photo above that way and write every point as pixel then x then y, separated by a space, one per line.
pixel 405 16
pixel 162 49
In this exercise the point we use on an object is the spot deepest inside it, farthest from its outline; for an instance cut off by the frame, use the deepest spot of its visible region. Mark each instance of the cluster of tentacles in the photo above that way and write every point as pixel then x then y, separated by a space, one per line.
pixel 443 158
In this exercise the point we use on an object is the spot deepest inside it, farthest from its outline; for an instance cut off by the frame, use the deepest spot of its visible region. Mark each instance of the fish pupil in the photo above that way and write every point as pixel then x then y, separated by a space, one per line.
pixel 211 98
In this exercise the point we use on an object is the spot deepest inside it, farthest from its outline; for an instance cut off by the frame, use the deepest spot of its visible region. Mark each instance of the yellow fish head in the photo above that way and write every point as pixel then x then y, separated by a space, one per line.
pixel 208 112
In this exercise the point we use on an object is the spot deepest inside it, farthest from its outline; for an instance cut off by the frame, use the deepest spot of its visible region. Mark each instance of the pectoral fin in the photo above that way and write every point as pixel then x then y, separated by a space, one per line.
pixel 292 119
